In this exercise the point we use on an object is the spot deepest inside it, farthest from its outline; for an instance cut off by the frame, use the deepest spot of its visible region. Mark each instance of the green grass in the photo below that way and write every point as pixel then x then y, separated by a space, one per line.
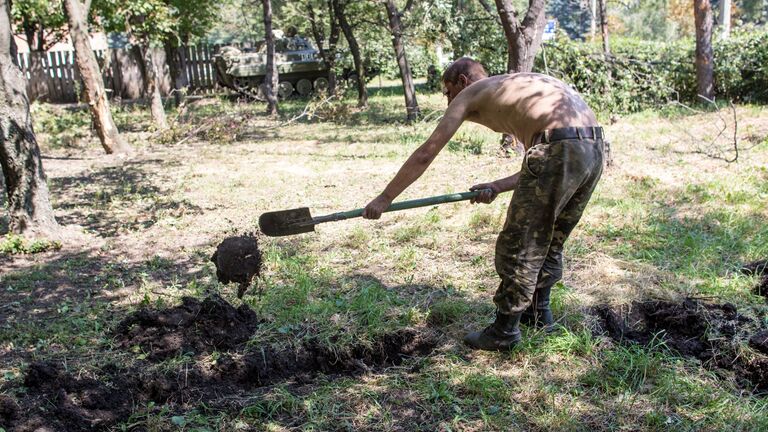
pixel 664 221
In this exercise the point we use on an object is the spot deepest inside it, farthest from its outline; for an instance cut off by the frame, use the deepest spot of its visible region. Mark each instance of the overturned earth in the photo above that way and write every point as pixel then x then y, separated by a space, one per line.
pixel 711 333
pixel 50 396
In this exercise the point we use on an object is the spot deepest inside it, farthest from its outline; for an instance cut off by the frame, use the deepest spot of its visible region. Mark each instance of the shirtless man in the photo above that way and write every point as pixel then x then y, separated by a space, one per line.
pixel 562 164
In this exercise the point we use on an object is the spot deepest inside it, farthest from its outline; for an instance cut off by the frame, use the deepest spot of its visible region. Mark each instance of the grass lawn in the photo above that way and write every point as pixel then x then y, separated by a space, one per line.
pixel 666 223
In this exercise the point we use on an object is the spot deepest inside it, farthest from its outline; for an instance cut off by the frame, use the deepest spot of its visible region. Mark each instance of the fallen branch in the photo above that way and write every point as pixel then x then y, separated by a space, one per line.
pixel 711 149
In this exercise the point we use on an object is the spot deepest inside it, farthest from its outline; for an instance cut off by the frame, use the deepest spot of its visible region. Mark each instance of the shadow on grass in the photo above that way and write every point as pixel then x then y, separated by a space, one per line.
pixel 125 197
pixel 68 301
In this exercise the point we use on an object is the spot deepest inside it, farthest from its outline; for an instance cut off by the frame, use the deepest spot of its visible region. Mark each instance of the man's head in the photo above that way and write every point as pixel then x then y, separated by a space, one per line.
pixel 460 74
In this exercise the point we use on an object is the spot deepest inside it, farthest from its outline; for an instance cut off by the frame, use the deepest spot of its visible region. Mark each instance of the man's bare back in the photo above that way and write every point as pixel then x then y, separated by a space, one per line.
pixel 524 104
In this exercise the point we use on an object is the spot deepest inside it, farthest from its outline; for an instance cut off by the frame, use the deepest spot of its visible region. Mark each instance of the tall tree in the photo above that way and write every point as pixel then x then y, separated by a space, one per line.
pixel 94 85
pixel 29 207
pixel 704 57
pixel 192 20
pixel 523 38
pixel 147 24
pixel 396 30
pixel 340 9
pixel 604 26
pixel 271 80
pixel 317 25
pixel 43 24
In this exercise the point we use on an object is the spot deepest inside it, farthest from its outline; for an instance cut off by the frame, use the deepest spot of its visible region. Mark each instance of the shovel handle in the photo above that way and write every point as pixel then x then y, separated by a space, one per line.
pixel 402 205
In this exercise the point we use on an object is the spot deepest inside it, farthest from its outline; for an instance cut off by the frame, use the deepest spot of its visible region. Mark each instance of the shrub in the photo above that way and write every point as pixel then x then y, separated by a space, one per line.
pixel 645 74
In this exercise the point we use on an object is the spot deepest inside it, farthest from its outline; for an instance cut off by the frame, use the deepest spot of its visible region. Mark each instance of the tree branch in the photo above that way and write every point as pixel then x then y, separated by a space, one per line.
pixel 408 7
pixel 490 11
pixel 534 10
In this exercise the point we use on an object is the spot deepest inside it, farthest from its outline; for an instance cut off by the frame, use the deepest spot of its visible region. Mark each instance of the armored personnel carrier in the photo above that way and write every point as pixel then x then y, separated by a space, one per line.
pixel 301 68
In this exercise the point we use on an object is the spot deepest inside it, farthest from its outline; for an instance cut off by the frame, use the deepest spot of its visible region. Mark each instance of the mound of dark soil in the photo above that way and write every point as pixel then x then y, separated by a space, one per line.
pixel 708 332
pixel 759 341
pixel 9 411
pixel 237 259
pixel 58 400
pixel 758 268
pixel 192 327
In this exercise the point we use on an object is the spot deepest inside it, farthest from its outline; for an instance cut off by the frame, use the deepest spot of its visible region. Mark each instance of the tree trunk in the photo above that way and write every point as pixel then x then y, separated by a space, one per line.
pixel 329 54
pixel 177 67
pixel 29 207
pixel 523 38
pixel 152 88
pixel 271 80
pixel 409 90
pixel 725 18
pixel 362 91
pixel 333 41
pixel 704 56
pixel 604 27
pixel 94 85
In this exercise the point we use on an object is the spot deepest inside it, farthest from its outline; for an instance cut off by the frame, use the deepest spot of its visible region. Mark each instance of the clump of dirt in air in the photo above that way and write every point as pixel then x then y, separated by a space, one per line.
pixel 708 332
pixel 238 259
pixel 191 327
pixel 758 268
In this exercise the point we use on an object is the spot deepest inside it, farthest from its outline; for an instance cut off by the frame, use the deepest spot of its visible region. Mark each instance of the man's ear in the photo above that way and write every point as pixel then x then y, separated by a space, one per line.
pixel 464 80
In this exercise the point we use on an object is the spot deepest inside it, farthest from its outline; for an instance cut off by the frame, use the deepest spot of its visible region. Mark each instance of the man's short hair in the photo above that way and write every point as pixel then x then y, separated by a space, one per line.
pixel 464 66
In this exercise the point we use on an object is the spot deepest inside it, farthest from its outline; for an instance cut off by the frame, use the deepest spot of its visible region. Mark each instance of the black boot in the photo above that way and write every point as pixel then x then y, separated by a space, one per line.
pixel 538 313
pixel 502 335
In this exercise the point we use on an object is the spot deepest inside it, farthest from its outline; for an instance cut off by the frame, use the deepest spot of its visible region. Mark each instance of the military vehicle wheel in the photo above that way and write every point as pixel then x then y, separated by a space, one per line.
pixel 284 89
pixel 321 84
pixel 246 87
pixel 304 87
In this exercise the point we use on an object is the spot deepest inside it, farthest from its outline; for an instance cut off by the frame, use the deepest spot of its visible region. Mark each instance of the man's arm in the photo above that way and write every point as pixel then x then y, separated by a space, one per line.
pixel 418 162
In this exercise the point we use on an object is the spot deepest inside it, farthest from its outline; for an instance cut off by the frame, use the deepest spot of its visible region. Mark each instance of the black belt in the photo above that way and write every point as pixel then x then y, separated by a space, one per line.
pixel 552 135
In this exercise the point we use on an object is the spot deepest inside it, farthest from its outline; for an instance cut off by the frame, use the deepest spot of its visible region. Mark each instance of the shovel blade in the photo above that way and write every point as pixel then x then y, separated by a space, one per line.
pixel 286 222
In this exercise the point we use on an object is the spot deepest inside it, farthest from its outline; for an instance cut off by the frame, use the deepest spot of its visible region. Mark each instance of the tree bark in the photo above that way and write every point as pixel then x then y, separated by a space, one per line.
pixel 704 56
pixel 271 80
pixel 409 90
pixel 29 206
pixel 177 66
pixel 523 38
pixel 354 47
pixel 604 27
pixel 94 85
pixel 152 88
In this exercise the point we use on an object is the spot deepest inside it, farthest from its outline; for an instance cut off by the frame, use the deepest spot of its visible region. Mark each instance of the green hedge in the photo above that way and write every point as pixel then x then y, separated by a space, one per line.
pixel 645 74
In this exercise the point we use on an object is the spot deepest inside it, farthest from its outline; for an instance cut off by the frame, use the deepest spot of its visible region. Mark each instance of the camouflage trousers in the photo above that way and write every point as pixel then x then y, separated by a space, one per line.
pixel 556 182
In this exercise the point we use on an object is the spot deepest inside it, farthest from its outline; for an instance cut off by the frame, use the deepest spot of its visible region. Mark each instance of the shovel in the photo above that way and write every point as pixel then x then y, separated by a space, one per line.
pixel 299 220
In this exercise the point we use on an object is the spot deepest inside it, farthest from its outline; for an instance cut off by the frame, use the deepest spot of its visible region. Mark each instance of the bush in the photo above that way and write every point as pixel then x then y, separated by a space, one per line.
pixel 646 74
